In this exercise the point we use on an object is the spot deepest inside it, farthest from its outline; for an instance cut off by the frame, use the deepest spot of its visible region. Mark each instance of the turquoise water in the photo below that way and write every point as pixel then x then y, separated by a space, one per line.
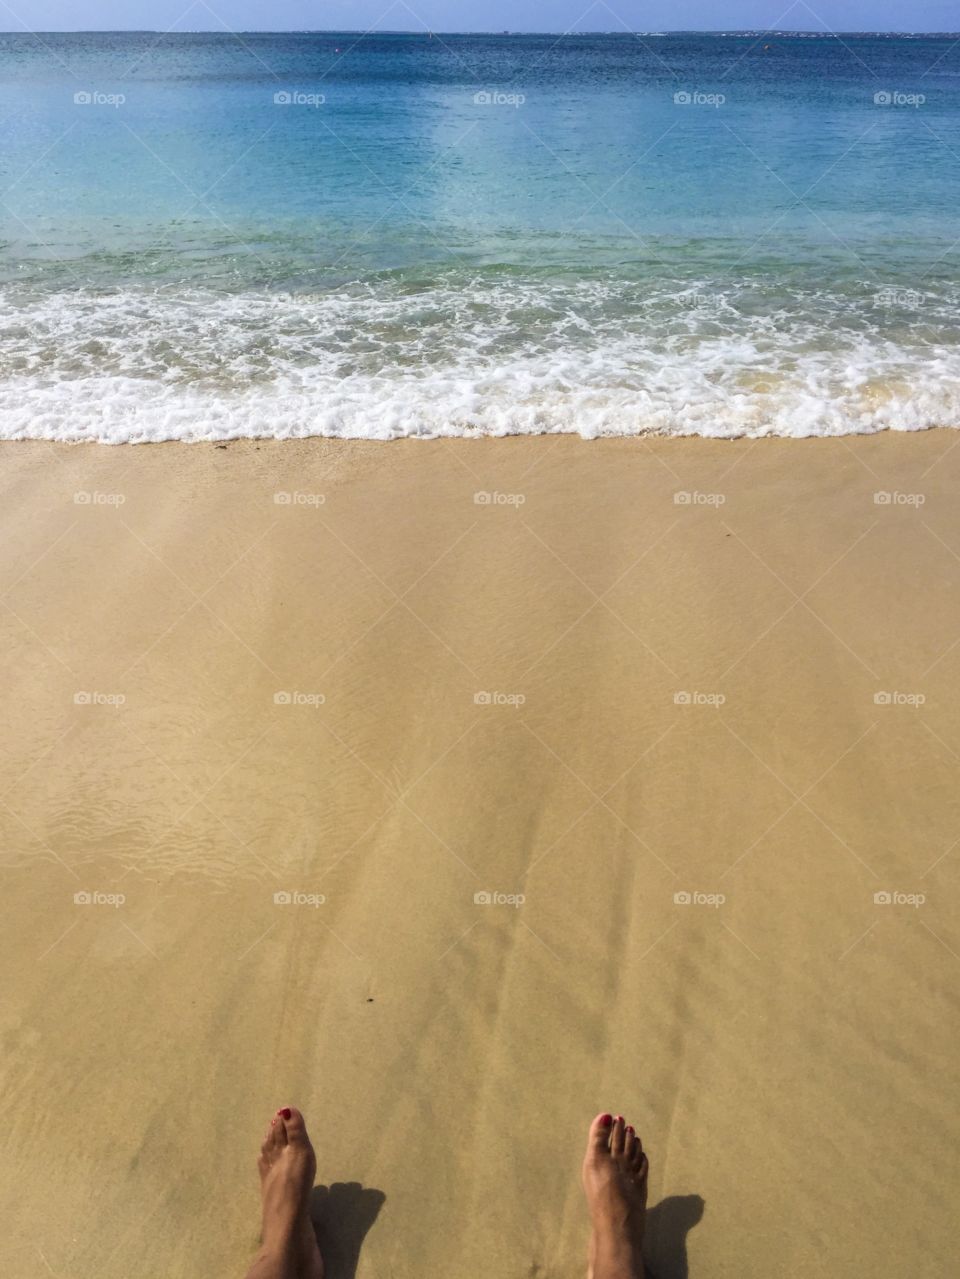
pixel 216 235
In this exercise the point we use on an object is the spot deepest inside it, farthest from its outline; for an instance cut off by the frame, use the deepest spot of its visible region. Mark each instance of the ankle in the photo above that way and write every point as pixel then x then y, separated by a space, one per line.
pixel 616 1252
pixel 279 1245
pixel 268 1264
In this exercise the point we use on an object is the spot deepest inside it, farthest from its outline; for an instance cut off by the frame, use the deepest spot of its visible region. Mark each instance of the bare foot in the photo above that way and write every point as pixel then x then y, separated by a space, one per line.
pixel 287 1169
pixel 615 1180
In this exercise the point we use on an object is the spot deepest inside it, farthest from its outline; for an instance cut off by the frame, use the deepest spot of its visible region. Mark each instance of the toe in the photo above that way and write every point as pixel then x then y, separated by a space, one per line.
pixel 633 1148
pixel 630 1144
pixel 599 1140
pixel 618 1135
pixel 278 1131
pixel 293 1124
pixel 274 1139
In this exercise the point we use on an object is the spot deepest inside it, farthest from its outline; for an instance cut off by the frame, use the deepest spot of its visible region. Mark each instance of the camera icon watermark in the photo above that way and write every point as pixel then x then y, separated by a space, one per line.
pixel 894 98
pixel 908 299
pixel 94 98
pixel 84 898
pixel 884 498
pixel 916 900
pixel 685 698
pixel 295 897
pixel 493 98
pixel 299 499
pixel 82 698
pixel 714 900
pixel 499 699
pixel 703 301
pixel 499 499
pixel 84 498
pixel 695 498
pixel 694 98
pixel 897 698
pixel 499 899
pixel 294 98
pixel 296 698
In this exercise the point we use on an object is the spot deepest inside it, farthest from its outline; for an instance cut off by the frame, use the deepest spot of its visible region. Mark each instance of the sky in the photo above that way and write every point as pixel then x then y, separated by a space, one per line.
pixel 479 15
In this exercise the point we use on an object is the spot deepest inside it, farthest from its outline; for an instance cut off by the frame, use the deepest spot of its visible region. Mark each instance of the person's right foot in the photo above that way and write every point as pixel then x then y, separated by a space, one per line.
pixel 287 1169
pixel 615 1180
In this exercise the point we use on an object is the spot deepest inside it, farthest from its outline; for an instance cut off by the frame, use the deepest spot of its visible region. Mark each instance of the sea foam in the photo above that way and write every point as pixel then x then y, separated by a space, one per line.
pixel 379 361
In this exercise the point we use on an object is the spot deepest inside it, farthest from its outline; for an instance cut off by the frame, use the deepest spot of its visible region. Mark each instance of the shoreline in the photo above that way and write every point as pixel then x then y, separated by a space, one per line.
pixel 636 440
pixel 635 437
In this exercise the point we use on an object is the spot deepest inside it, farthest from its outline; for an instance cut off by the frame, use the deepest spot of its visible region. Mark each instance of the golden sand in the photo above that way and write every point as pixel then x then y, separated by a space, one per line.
pixel 300 715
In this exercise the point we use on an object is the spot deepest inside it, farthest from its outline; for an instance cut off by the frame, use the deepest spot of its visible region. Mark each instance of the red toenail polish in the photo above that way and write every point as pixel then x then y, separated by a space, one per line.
pixel 286 1112
pixel 619 1119
pixel 630 1129
pixel 605 1121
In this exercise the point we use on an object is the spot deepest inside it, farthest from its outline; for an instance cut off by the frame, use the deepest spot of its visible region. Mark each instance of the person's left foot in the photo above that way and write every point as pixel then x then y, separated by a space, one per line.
pixel 288 1166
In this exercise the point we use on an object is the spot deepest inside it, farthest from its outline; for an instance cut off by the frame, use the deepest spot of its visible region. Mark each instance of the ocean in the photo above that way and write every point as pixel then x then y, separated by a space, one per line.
pixel 216 236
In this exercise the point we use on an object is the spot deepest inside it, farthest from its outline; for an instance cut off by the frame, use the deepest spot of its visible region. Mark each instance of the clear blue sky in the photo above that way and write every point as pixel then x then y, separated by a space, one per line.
pixel 479 15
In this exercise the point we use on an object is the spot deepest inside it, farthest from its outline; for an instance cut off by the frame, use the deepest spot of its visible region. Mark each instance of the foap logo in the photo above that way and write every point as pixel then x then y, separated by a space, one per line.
pixel 499 899
pixel 295 698
pixel 299 499
pixel 499 499
pixel 715 900
pixel 704 301
pixel 910 299
pixel 694 98
pixel 916 900
pixel 499 699
pixel 899 699
pixel 297 898
pixel 294 98
pixel 684 698
pixel 85 898
pixel 98 699
pixel 695 498
pixel 83 498
pixel 492 98
pixel 894 98
pixel 883 498
pixel 93 98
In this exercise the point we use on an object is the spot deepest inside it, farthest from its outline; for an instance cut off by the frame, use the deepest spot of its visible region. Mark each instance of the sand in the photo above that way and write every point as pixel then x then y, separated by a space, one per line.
pixel 789 1053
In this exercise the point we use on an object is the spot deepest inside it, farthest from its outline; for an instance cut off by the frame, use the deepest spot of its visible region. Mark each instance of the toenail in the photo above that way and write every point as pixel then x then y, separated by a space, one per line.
pixel 630 1129
pixel 619 1119
pixel 605 1121
pixel 286 1112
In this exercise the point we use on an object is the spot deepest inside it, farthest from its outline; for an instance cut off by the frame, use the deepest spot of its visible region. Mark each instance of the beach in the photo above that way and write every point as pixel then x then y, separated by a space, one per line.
pixel 454 791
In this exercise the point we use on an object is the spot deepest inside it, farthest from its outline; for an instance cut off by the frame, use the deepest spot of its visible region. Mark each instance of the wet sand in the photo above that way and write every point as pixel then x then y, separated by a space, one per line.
pixel 394 697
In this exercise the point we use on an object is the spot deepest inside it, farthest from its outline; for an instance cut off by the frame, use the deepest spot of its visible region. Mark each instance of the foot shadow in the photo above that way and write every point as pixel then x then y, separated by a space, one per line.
pixel 665 1238
pixel 342 1214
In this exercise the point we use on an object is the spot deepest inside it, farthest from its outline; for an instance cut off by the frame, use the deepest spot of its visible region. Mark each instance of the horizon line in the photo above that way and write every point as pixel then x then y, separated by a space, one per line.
pixel 401 31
